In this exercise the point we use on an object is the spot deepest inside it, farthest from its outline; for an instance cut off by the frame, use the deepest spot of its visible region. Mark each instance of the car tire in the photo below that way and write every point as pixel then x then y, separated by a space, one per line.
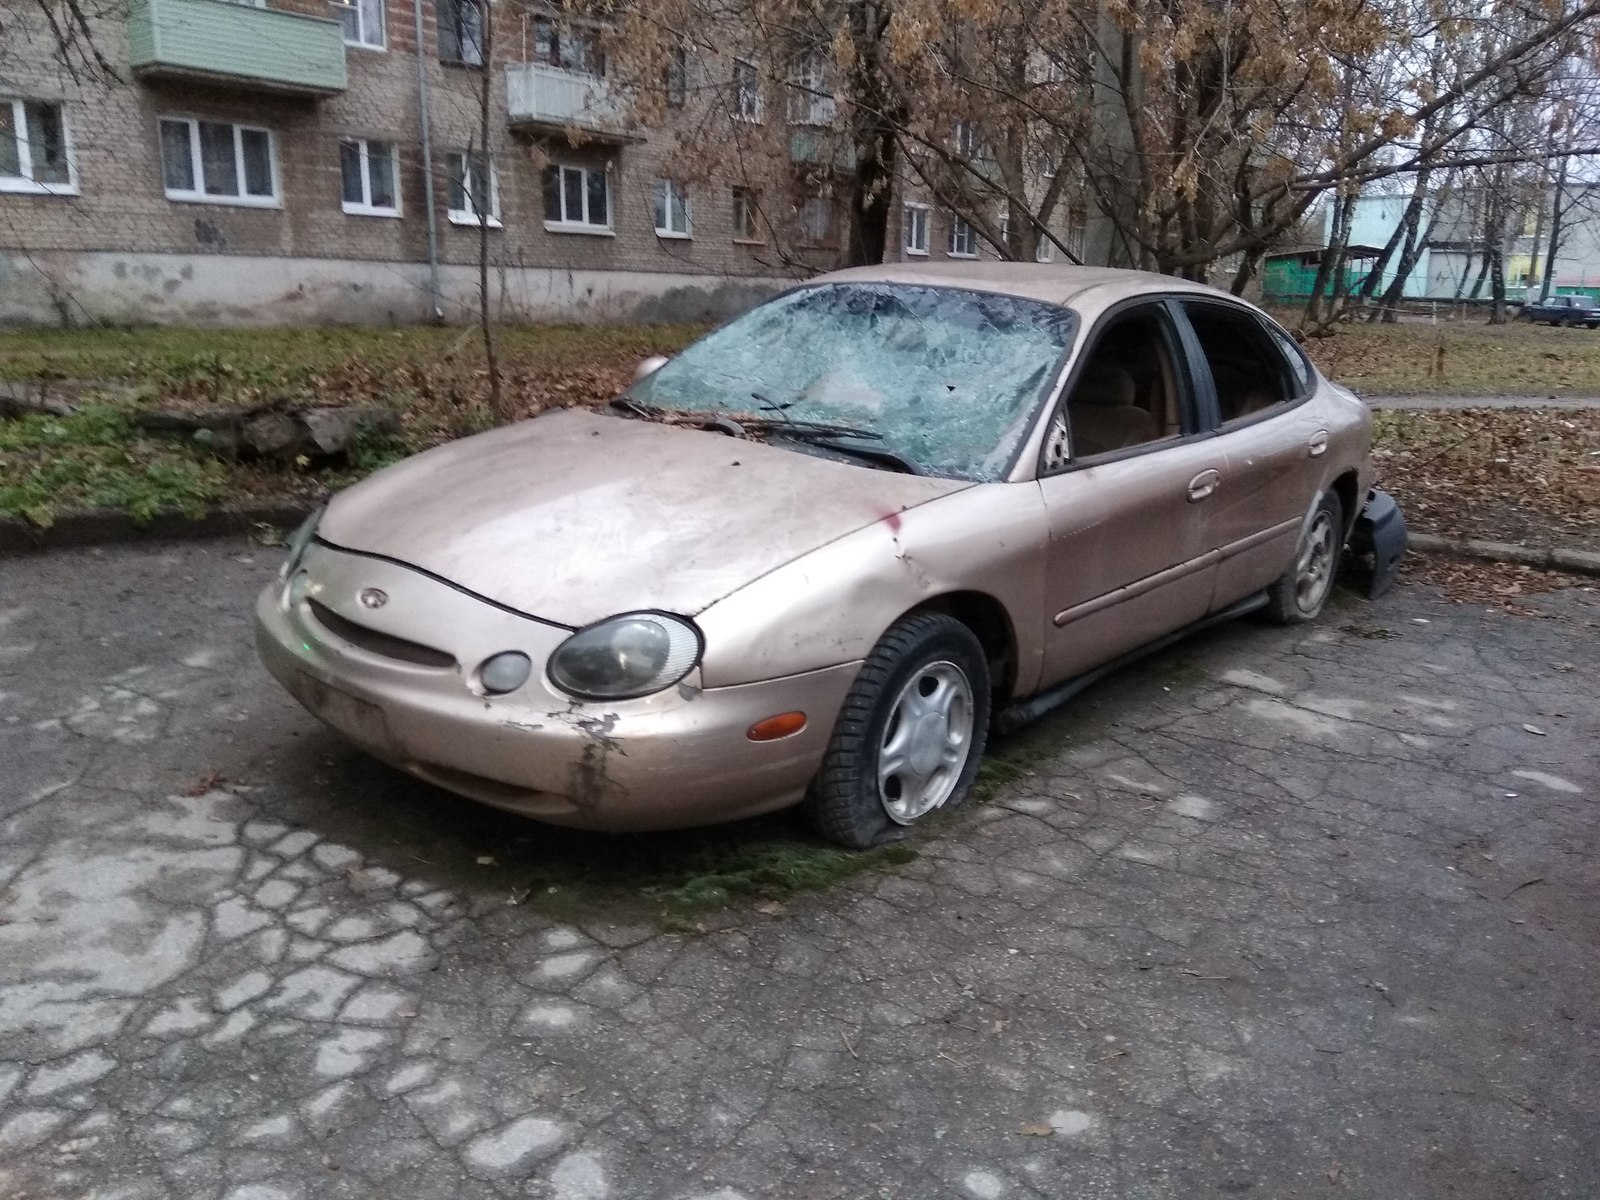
pixel 1301 592
pixel 930 669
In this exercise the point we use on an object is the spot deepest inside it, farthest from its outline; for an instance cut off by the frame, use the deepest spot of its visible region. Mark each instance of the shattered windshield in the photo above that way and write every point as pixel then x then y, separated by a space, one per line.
pixel 943 378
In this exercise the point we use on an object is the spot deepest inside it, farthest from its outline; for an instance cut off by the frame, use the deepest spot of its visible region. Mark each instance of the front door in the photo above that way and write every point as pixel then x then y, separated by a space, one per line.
pixel 1128 479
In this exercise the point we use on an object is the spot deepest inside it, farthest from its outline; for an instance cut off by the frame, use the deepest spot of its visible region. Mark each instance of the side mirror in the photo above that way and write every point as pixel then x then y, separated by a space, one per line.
pixel 649 366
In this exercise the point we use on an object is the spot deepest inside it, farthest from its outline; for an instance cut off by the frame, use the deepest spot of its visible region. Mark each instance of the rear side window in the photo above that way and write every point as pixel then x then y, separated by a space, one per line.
pixel 1298 370
pixel 1248 368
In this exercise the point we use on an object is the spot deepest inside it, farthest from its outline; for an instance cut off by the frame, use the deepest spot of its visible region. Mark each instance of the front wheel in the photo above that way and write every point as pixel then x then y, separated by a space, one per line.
pixel 1302 591
pixel 910 735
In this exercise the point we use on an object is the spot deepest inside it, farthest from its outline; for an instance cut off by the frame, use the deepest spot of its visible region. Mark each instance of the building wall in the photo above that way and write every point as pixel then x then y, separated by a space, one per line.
pixel 122 250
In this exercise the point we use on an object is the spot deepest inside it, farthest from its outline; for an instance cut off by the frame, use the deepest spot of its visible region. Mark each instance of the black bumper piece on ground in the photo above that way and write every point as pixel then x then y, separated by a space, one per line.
pixel 1380 535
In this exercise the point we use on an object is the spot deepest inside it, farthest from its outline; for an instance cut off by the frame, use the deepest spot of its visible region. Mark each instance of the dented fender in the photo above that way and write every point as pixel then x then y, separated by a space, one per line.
pixel 833 604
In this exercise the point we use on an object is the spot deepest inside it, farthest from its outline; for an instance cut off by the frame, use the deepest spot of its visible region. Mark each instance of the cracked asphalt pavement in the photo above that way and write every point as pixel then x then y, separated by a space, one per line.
pixel 1279 913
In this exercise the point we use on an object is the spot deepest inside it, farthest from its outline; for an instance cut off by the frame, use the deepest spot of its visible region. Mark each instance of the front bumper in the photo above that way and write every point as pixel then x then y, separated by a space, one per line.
pixel 678 758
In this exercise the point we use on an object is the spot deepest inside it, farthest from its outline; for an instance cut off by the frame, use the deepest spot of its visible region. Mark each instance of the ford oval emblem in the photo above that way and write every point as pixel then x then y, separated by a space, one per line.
pixel 374 597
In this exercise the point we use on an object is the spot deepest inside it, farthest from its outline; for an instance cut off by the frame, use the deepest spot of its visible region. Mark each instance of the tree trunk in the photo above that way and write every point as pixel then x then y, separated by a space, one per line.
pixel 1332 261
pixel 484 203
pixel 1414 240
pixel 876 146
pixel 1497 284
pixel 1558 210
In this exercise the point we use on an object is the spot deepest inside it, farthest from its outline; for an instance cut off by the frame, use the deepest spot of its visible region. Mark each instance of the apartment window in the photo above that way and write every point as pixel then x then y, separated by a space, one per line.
pixel 217 162
pixel 963 238
pixel 968 141
pixel 676 81
pixel 672 209
pixel 914 229
pixel 817 216
pixel 362 21
pixel 577 199
pixel 746 215
pixel 474 189
pixel 35 155
pixel 810 94
pixel 573 48
pixel 368 171
pixel 1044 250
pixel 461 32
pixel 746 90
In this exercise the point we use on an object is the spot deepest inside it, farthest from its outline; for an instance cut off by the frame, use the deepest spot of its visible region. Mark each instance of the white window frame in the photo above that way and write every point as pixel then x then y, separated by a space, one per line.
pixel 676 80
pixel 366 208
pixel 752 207
pixel 469 214
pixel 664 194
pixel 565 225
pixel 1044 250
pixel 957 224
pixel 462 59
pixel 914 216
pixel 811 100
pixel 562 30
pixel 361 40
pixel 967 138
pixel 756 111
pixel 199 195
pixel 25 182
pixel 830 241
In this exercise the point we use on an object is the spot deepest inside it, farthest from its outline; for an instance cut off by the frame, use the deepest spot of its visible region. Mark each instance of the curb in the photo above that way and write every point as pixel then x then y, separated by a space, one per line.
pixel 1579 562
pixel 99 527
pixel 1448 403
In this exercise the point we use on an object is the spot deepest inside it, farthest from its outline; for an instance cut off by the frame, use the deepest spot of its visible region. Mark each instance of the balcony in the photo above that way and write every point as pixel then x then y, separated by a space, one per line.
pixel 554 102
pixel 237 46
pixel 821 148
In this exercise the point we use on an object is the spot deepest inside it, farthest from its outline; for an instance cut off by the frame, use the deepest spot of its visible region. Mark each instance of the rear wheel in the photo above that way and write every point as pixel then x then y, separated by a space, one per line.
pixel 1301 592
pixel 910 734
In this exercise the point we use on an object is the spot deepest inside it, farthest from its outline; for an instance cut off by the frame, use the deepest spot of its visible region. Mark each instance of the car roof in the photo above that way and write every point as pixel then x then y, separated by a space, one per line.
pixel 1085 288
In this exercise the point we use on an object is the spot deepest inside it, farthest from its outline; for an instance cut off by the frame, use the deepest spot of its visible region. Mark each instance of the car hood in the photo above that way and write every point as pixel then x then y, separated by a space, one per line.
pixel 575 515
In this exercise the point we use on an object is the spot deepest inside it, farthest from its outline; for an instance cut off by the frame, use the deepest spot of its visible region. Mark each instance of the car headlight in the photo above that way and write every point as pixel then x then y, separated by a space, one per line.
pixel 299 540
pixel 625 656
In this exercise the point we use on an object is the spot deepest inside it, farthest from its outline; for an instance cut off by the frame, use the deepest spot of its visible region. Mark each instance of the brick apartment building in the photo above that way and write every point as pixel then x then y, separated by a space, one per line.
pixel 266 165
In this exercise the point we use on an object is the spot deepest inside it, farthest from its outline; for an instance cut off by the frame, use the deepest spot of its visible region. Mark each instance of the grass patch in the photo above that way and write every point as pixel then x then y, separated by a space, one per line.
pixel 1465 358
pixel 292 356
pixel 433 378
pixel 96 459
pixel 677 876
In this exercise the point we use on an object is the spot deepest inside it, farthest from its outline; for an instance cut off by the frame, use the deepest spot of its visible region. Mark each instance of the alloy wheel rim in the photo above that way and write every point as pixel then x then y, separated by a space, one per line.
pixel 926 742
pixel 1314 569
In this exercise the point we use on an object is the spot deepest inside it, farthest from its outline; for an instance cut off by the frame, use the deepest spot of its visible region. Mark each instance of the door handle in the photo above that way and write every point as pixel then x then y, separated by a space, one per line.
pixel 1318 445
pixel 1203 484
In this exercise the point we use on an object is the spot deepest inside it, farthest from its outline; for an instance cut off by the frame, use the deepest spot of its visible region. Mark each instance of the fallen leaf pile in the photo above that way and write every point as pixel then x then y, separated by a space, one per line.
pixel 1503 586
pixel 1513 475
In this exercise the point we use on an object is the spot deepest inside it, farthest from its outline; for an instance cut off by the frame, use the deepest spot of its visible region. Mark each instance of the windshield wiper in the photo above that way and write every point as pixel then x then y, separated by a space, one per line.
pixel 812 433
pixel 874 454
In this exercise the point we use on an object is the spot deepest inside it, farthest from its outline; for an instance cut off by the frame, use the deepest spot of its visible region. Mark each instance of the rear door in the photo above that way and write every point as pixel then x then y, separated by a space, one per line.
pixel 1128 477
pixel 1256 383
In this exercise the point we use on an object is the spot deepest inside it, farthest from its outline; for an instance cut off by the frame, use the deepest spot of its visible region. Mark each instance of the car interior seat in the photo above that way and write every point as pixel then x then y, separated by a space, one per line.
pixel 1104 415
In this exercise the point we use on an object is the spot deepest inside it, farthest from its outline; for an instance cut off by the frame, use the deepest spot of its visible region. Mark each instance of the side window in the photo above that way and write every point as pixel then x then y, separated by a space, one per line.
pixel 1299 372
pixel 1124 394
pixel 1248 370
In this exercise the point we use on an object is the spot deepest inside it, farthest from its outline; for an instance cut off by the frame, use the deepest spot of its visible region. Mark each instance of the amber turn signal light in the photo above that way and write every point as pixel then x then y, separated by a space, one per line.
pixel 780 726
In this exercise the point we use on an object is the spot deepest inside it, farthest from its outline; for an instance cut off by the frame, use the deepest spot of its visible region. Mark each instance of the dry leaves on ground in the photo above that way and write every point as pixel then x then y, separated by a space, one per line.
pixel 1515 475
pixel 1507 587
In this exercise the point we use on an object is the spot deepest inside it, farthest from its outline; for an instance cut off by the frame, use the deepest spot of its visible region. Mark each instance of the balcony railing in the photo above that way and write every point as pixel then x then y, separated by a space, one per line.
pixel 551 100
pixel 821 148
pixel 236 45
